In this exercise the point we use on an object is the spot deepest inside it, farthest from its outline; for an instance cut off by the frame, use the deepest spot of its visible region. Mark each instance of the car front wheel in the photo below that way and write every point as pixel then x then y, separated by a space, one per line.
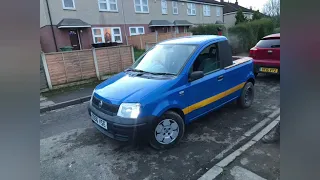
pixel 167 131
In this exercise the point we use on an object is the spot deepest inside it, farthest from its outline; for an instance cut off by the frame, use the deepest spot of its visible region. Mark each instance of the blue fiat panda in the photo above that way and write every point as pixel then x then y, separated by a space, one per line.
pixel 170 86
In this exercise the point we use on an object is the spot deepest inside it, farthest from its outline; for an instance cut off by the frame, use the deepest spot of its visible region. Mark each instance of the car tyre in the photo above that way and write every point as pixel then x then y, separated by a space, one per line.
pixel 167 131
pixel 247 95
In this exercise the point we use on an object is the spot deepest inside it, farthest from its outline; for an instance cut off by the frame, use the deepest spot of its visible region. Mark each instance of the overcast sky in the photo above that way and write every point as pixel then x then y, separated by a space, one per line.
pixel 256 4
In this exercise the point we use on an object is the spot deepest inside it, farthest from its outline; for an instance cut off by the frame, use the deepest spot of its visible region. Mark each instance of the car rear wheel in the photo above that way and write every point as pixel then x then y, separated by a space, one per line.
pixel 167 131
pixel 247 95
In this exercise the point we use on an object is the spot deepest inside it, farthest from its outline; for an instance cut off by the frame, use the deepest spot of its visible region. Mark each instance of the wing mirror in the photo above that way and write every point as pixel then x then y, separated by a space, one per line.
pixel 195 75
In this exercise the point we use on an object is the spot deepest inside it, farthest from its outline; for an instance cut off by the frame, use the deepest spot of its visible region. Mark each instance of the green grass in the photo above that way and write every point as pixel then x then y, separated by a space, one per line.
pixel 138 53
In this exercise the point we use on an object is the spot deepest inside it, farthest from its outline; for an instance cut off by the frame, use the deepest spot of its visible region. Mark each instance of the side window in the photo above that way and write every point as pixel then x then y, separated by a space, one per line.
pixel 208 60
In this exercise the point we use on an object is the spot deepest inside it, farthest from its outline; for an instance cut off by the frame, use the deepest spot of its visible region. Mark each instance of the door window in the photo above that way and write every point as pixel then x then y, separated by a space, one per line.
pixel 208 60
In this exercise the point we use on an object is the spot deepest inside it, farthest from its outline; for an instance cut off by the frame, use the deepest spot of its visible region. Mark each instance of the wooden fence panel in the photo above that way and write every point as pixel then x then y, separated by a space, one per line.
pixel 140 41
pixel 67 67
pixel 113 59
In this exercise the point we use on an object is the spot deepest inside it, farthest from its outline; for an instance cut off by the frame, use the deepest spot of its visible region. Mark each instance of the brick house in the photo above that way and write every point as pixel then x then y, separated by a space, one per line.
pixel 80 23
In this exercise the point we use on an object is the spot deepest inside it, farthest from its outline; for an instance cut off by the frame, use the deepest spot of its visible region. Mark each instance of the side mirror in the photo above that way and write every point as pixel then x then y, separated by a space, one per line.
pixel 195 75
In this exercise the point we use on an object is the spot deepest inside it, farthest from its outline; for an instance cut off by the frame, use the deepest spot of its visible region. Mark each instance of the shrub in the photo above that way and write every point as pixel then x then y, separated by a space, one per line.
pixel 277 30
pixel 245 35
pixel 209 29
pixel 138 53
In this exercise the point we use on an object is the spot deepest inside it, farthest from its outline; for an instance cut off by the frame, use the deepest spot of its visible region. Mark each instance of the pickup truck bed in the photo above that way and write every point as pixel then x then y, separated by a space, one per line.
pixel 238 60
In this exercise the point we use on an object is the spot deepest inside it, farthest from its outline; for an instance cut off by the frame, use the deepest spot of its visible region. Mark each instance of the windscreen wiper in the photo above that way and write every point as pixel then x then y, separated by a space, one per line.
pixel 135 70
pixel 162 73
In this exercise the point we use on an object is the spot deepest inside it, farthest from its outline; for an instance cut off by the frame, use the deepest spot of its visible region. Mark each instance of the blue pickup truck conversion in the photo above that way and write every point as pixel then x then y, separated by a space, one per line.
pixel 168 87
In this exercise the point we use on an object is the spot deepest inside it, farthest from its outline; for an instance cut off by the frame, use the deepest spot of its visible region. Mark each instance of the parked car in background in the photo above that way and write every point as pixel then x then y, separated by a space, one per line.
pixel 266 55
pixel 168 87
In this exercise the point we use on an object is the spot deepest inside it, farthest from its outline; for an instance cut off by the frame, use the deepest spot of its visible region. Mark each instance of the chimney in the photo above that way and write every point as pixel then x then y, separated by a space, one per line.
pixel 236 3
pixel 250 7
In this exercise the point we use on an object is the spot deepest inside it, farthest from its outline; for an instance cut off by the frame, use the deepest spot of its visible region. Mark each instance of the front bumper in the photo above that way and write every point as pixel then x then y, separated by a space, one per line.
pixel 124 129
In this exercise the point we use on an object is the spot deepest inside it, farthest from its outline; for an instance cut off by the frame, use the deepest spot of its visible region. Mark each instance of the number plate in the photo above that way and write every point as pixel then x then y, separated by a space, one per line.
pixel 99 121
pixel 269 70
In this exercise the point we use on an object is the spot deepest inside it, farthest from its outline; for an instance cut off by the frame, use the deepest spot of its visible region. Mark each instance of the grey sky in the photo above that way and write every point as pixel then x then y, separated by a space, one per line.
pixel 256 4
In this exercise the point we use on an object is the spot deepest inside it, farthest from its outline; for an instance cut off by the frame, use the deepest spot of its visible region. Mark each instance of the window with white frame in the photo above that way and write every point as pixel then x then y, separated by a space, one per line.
pixel 218 11
pixel 175 7
pixel 191 9
pixel 68 4
pixel 206 10
pixel 164 8
pixel 136 30
pixel 98 36
pixel 108 5
pixel 116 34
pixel 141 6
pixel 107 34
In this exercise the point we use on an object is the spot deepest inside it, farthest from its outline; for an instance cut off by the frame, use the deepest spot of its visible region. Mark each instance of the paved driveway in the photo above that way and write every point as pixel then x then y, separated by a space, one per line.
pixel 71 148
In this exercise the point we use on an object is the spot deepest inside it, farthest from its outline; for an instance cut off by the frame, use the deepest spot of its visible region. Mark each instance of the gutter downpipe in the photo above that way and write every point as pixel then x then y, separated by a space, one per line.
pixel 51 25
pixel 125 24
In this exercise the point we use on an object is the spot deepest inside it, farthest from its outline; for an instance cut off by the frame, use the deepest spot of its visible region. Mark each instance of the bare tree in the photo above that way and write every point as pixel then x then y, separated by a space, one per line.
pixel 272 8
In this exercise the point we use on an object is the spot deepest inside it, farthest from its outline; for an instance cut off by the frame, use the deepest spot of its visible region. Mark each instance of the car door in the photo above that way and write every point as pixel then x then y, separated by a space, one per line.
pixel 204 94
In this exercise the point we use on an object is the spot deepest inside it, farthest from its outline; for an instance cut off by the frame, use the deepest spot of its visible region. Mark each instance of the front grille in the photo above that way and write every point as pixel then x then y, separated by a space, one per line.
pixel 106 108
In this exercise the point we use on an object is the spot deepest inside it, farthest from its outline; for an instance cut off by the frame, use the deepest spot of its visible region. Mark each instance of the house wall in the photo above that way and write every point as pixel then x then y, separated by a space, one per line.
pixel 230 18
pixel 155 13
pixel 44 19
pixel 88 11
pixel 62 38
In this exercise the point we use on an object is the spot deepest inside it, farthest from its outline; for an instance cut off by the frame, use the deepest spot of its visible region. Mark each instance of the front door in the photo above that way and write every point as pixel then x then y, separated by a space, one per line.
pixel 206 93
pixel 74 39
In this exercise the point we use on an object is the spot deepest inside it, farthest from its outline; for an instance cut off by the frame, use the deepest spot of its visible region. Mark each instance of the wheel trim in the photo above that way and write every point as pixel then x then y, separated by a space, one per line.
pixel 248 96
pixel 166 131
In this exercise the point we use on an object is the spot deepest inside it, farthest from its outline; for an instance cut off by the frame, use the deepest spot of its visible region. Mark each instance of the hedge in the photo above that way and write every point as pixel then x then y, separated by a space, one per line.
pixel 277 30
pixel 245 35
pixel 208 29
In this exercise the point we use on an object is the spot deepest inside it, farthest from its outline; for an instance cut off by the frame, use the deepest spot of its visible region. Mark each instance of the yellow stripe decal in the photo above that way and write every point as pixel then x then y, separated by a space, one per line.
pixel 212 99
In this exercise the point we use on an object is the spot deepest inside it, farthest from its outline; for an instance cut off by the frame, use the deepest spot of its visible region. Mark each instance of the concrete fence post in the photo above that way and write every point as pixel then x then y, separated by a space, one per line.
pixel 132 54
pixel 96 63
pixel 46 70
pixel 156 36
pixel 140 42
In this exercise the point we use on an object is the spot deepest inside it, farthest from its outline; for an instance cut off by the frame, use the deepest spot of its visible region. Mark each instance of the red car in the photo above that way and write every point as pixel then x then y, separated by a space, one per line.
pixel 266 55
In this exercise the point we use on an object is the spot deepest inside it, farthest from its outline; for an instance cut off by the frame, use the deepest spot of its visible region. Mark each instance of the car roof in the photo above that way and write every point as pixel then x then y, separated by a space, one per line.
pixel 277 35
pixel 195 40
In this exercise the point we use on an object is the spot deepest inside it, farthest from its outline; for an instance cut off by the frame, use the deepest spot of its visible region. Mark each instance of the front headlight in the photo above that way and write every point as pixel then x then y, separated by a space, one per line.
pixel 129 110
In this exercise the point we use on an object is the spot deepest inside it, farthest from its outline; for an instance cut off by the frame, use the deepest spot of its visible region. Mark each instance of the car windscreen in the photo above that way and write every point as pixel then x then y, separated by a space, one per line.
pixel 165 58
pixel 268 43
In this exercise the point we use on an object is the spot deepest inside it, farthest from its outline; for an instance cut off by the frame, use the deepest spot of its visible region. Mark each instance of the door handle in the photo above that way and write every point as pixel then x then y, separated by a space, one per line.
pixel 220 78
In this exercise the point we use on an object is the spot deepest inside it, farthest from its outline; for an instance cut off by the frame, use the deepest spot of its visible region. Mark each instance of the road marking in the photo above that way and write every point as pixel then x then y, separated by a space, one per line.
pixel 274 114
pixel 240 173
pixel 213 173
pixel 248 133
